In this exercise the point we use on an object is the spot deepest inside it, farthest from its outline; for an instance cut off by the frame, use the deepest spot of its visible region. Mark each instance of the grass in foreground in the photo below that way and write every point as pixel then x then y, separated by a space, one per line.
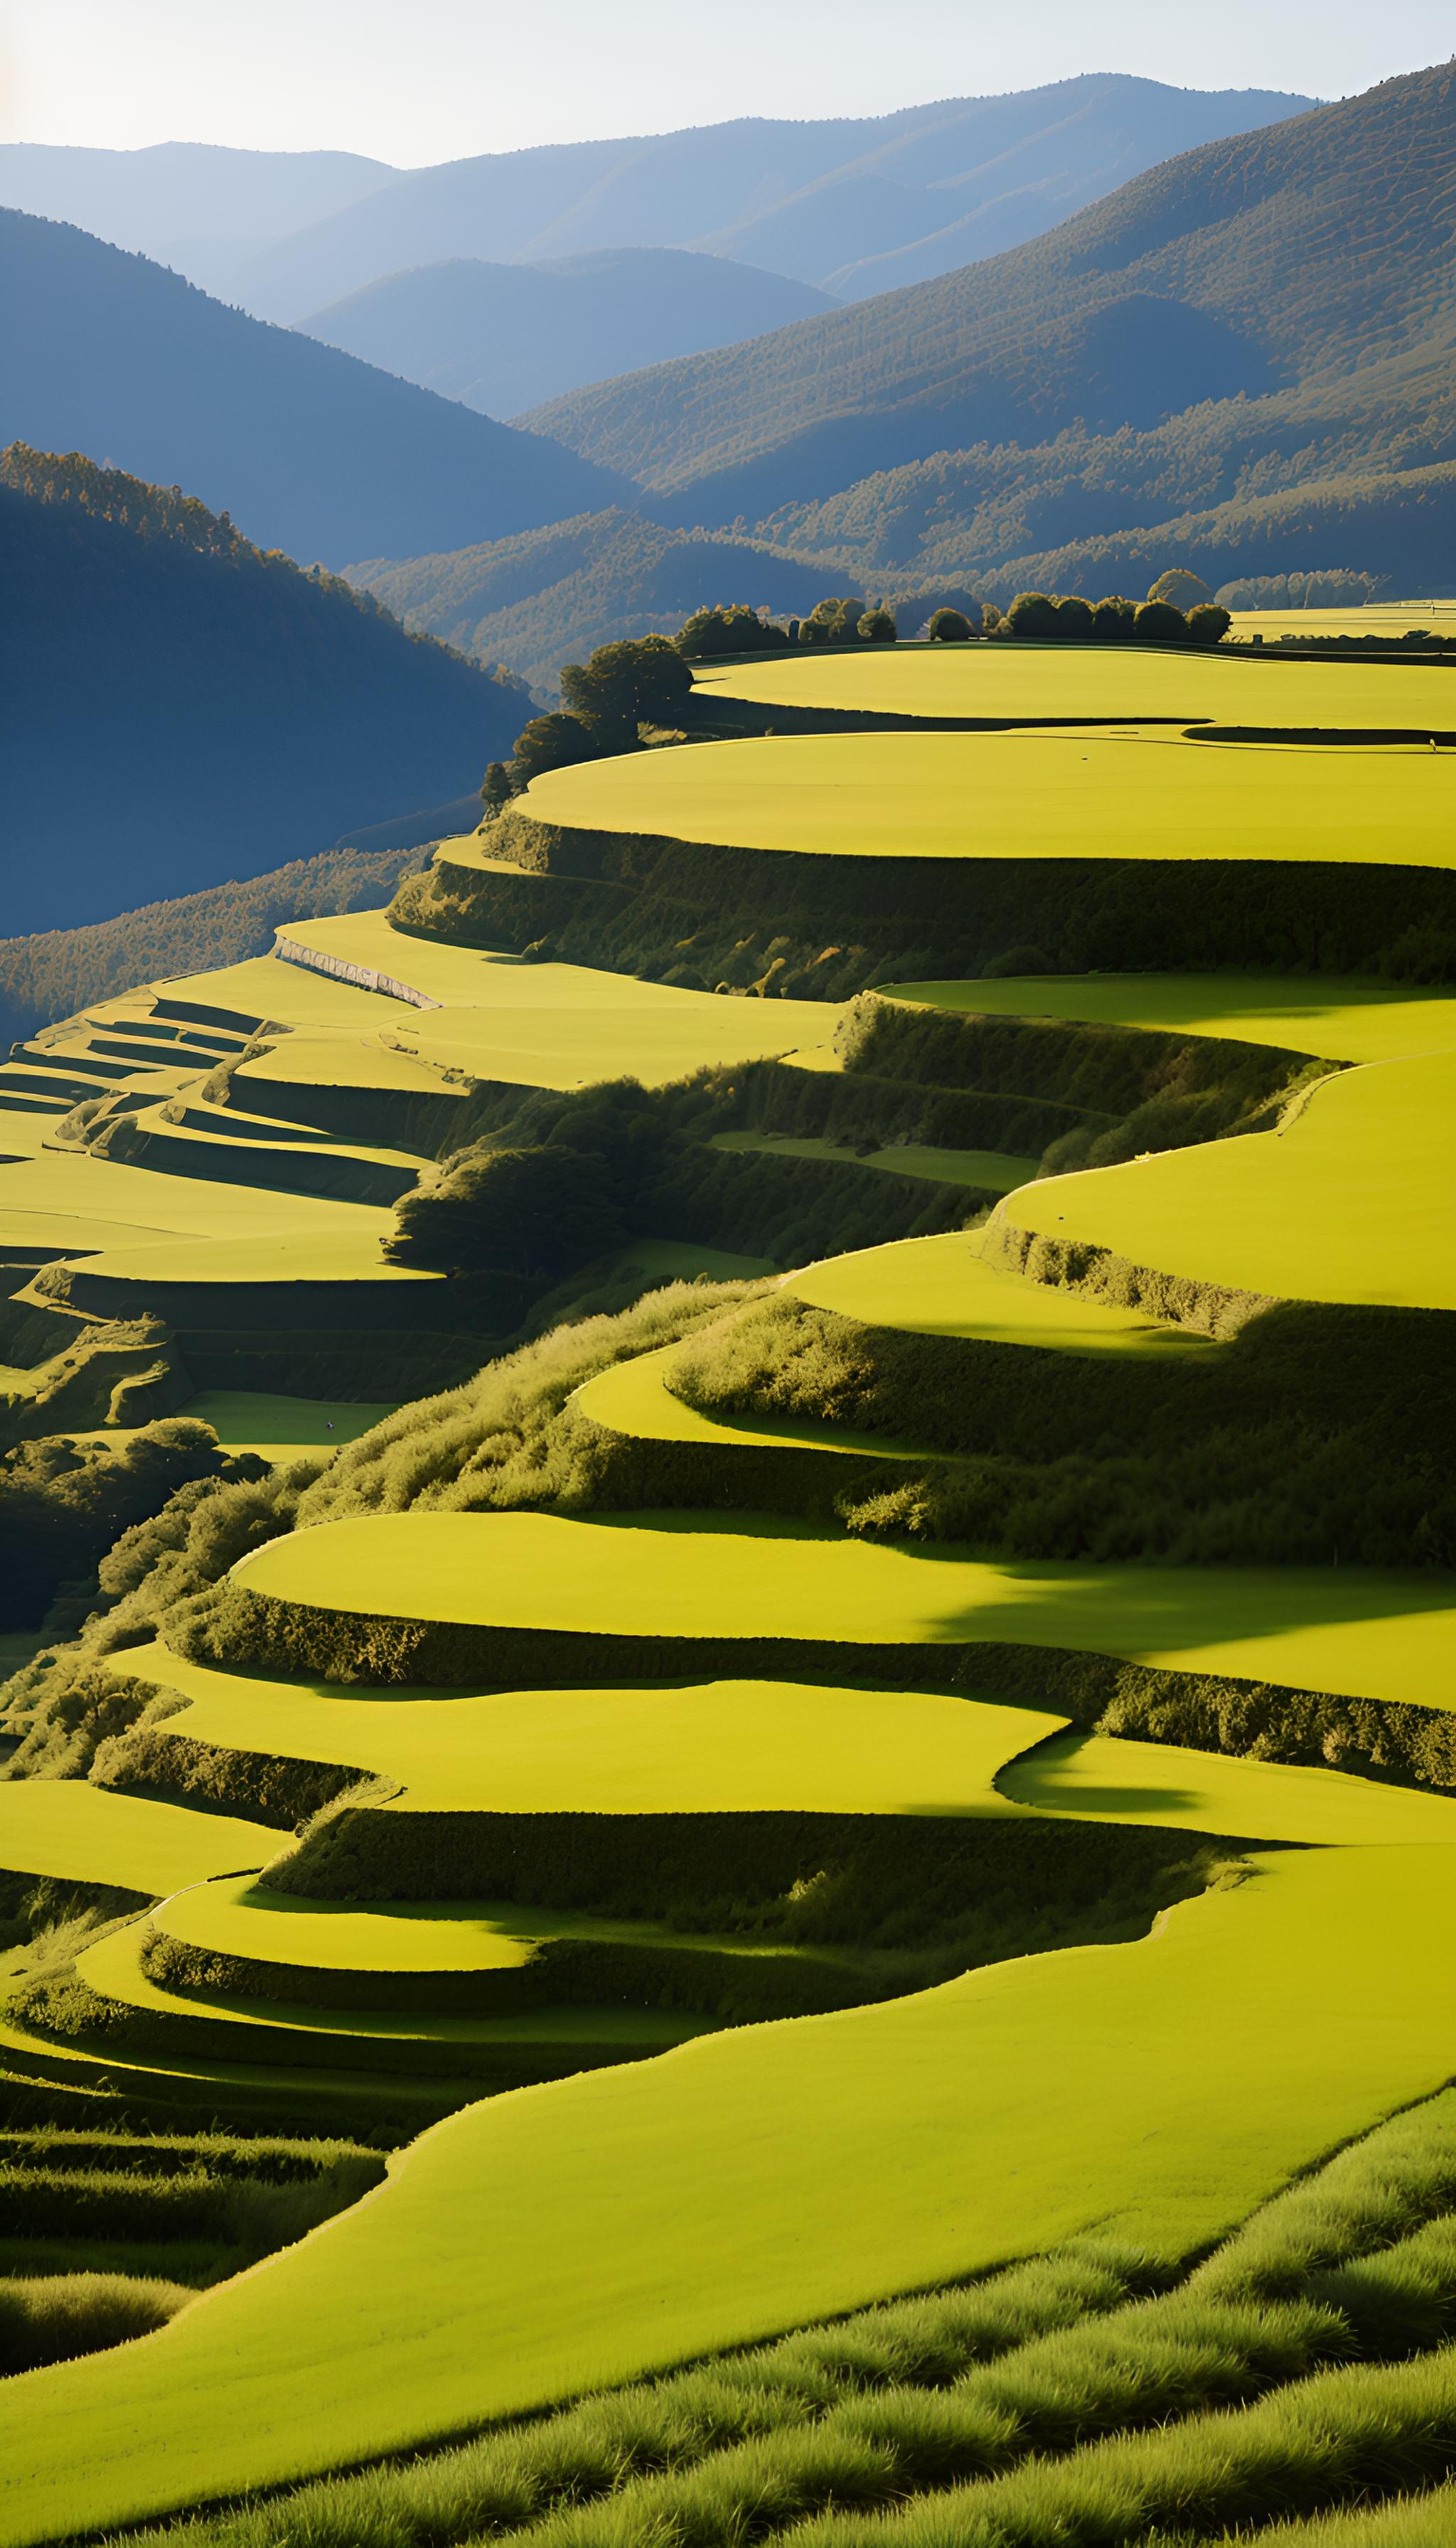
pixel 1349 1201
pixel 1337 1017
pixel 582 2234
pixel 724 1747
pixel 1360 1632
pixel 1056 795
pixel 61 1827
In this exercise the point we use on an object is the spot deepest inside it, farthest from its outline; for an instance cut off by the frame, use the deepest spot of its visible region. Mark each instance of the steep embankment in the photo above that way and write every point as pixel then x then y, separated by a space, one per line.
pixel 185 709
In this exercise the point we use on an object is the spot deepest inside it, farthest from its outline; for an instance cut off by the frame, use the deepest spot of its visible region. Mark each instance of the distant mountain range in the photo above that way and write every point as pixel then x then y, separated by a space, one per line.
pixel 504 337
pixel 181 709
pixel 311 450
pixel 548 598
pixel 1287 258
pixel 193 205
pixel 853 205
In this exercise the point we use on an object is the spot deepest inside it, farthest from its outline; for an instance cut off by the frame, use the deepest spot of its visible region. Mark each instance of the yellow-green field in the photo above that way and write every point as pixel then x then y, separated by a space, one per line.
pixel 246 1419
pixel 1334 1018
pixel 1346 619
pixel 942 1287
pixel 1359 1632
pixel 716 1746
pixel 636 1398
pixel 1353 1200
pixel 1145 794
pixel 64 1828
pixel 1103 1778
pixel 994 1170
pixel 772 2174
pixel 1109 684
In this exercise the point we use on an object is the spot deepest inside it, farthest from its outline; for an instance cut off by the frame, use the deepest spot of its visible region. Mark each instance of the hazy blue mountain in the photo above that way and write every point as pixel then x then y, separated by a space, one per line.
pixel 1285 259
pixel 546 597
pixel 504 337
pixel 752 189
pixel 312 451
pixel 996 171
pixel 193 205
pixel 181 709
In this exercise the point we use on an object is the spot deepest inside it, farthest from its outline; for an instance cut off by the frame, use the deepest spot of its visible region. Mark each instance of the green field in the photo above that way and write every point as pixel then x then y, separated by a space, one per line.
pixel 994 1170
pixel 1357 1632
pixel 940 1287
pixel 636 1398
pixel 1109 684
pixel 772 2174
pixel 1080 795
pixel 1105 1779
pixel 1338 1019
pixel 64 1828
pixel 1353 1200
pixel 313 1252
pixel 246 1419
pixel 73 1190
pixel 1358 619
pixel 719 1747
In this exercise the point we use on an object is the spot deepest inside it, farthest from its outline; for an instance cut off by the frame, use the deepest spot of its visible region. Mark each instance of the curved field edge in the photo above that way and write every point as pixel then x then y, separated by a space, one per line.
pixel 621 2222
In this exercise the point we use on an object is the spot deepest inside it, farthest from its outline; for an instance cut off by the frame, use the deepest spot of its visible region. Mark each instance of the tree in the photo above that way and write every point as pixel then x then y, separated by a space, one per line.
pixel 835 621
pixel 1074 618
pixel 1159 624
pixel 1208 623
pixel 1112 619
pixel 531 1213
pixel 1180 586
pixel 637 681
pixel 877 627
pixel 496 789
pixel 1034 615
pixel 948 627
pixel 551 741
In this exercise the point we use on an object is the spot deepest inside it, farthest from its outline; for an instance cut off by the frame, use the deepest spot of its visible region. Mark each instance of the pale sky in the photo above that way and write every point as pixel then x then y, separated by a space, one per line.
pixel 414 81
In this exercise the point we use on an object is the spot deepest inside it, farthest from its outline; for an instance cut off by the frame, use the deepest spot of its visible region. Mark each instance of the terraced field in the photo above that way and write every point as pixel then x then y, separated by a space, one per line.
pixel 1089 794
pixel 892 1804
pixel 1098 685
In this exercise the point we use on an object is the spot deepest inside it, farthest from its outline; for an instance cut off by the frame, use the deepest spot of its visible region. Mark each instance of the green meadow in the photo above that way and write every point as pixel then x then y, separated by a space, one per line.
pixel 1342 1021
pixel 62 1827
pixel 1102 684
pixel 767 2176
pixel 942 1287
pixel 1348 1200
pixel 719 1747
pixel 1070 794
pixel 686 1576
pixel 693 1992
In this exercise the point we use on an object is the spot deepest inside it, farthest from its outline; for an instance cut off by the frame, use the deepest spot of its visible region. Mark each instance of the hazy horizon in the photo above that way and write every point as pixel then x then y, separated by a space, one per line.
pixel 463 80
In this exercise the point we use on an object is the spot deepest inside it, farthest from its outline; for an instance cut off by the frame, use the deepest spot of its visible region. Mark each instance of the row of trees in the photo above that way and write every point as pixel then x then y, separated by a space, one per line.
pixel 642 683
pixel 634 683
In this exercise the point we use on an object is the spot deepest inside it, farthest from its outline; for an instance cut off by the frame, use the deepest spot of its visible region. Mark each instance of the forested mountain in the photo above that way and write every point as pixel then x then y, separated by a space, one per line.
pixel 504 337
pixel 193 205
pixel 549 597
pixel 1289 258
pixel 181 708
pixel 311 451
pixel 930 187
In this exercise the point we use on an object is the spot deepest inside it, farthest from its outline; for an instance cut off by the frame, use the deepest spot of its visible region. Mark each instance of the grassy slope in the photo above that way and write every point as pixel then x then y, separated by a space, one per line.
pixel 995 1171
pixel 63 1828
pixel 1366 1634
pixel 939 1287
pixel 1334 1019
pixel 1103 1779
pixel 1113 684
pixel 1147 795
pixel 907 2143
pixel 1350 1202
pixel 724 1747
pixel 254 1420
pixel 636 1398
